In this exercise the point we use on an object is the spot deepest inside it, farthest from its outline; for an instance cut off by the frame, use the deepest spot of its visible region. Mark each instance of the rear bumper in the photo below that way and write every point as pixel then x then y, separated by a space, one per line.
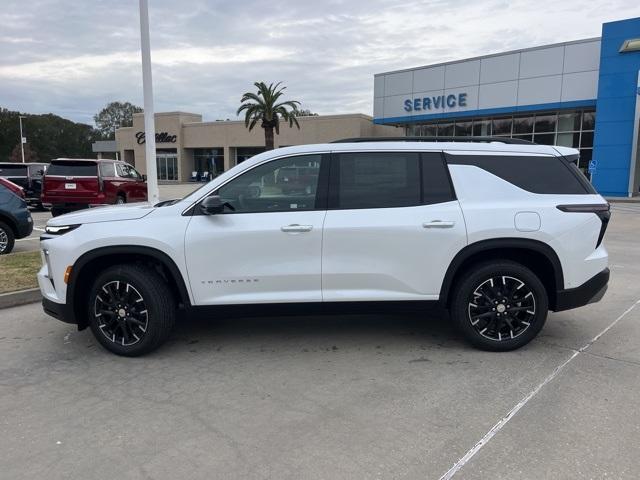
pixel 59 311
pixel 590 291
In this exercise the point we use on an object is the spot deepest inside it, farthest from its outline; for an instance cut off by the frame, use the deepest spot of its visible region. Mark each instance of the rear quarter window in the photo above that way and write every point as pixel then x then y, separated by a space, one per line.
pixel 73 169
pixel 536 174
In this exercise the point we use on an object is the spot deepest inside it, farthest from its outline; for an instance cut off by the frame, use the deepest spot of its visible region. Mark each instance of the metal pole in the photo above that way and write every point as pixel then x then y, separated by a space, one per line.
pixel 21 138
pixel 147 88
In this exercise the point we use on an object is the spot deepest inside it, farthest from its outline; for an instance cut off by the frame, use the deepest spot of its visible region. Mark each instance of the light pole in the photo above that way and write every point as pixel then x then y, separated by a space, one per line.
pixel 153 194
pixel 22 139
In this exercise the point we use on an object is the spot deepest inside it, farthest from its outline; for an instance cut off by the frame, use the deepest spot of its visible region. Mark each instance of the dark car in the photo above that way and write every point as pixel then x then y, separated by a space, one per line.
pixel 15 219
pixel 28 176
pixel 74 184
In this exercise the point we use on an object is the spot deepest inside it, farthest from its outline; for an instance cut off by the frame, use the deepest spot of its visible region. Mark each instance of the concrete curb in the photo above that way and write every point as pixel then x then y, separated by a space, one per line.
pixel 21 297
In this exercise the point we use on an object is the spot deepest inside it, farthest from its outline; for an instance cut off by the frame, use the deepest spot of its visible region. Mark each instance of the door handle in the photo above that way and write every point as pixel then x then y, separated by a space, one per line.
pixel 438 224
pixel 295 228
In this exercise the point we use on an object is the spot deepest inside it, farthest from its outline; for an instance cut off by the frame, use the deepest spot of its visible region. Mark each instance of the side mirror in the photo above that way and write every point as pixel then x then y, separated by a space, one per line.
pixel 212 205
pixel 144 178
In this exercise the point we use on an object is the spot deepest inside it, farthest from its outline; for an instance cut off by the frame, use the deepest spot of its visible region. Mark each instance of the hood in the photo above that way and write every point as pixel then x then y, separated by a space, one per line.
pixel 113 213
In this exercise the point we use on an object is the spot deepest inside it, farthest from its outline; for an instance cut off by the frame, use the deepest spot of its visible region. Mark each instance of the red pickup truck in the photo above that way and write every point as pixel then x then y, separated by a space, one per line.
pixel 74 184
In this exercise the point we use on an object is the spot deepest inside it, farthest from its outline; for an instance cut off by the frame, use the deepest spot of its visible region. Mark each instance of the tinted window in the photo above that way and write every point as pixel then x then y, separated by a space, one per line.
pixel 13 170
pixel 287 184
pixel 73 169
pixel 543 174
pixel 36 170
pixel 377 180
pixel 107 170
pixel 436 187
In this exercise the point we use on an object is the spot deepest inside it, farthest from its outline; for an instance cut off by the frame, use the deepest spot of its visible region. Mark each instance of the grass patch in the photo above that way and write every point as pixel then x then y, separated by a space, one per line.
pixel 18 271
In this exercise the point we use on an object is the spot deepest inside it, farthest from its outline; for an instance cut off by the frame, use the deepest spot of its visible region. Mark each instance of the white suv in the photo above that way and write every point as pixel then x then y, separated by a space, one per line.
pixel 498 232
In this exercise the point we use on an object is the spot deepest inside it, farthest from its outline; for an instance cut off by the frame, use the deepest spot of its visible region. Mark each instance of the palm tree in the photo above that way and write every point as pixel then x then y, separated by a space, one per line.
pixel 263 107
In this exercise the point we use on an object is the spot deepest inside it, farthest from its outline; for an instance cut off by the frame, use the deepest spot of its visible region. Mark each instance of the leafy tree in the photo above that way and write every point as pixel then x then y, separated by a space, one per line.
pixel 115 115
pixel 29 154
pixel 264 107
pixel 304 113
pixel 49 135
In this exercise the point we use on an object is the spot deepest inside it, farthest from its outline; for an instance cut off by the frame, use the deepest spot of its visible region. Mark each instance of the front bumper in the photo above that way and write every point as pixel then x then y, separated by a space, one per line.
pixel 59 311
pixel 590 291
pixel 25 227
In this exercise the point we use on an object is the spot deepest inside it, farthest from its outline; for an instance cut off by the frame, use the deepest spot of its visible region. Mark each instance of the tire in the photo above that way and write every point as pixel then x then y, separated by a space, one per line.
pixel 55 212
pixel 499 306
pixel 7 239
pixel 121 199
pixel 141 310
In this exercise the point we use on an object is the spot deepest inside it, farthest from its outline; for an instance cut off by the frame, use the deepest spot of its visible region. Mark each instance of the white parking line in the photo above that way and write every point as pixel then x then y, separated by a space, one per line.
pixel 503 421
pixel 27 239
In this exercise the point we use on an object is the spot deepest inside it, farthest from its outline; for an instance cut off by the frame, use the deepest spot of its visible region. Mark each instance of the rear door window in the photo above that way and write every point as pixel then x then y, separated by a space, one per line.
pixel 73 169
pixel 375 180
pixel 535 174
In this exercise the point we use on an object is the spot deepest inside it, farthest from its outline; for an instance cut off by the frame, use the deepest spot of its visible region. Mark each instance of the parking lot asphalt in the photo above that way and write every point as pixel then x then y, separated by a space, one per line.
pixel 358 396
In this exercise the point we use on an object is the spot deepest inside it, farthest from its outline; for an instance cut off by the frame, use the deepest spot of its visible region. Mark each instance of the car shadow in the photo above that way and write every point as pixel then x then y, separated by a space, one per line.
pixel 326 331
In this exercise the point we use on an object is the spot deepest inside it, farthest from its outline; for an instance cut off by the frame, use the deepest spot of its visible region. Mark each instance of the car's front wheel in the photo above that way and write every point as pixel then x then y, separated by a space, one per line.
pixel 7 239
pixel 500 305
pixel 131 309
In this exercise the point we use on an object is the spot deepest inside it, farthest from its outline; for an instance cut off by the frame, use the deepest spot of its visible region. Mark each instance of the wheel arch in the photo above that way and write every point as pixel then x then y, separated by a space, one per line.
pixel 535 255
pixel 89 263
pixel 10 222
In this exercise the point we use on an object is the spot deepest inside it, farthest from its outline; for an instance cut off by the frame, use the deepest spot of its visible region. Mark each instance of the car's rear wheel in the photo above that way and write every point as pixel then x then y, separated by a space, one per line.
pixel 7 239
pixel 131 310
pixel 120 199
pixel 499 306
pixel 57 211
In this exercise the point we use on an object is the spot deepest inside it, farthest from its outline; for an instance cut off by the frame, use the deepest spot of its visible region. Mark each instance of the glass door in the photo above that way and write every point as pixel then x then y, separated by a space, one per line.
pixel 167 164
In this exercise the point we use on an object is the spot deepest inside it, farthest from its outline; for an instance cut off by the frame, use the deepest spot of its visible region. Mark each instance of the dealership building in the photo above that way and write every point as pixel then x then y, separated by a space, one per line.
pixel 189 149
pixel 583 94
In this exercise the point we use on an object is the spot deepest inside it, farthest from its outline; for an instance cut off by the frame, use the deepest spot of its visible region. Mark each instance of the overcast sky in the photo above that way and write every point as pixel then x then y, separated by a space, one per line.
pixel 72 57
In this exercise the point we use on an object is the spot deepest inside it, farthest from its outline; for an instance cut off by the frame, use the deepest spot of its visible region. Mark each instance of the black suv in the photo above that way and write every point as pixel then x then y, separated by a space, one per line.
pixel 28 176
pixel 15 219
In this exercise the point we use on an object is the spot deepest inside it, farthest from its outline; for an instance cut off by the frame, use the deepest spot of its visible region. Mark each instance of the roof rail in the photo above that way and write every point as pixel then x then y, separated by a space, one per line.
pixel 516 141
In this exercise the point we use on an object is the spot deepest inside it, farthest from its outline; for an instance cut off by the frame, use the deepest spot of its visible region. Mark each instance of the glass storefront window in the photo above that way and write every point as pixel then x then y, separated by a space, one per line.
pixel 523 124
pixel 445 129
pixel 586 140
pixel 569 122
pixel 527 137
pixel 482 127
pixel 463 129
pixel 207 163
pixel 588 120
pixel 501 126
pixel 544 138
pixel 245 153
pixel 545 123
pixel 429 130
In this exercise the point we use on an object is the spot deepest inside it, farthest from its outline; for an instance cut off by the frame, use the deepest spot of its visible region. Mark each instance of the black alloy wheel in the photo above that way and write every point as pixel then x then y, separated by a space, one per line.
pixel 131 309
pixel 121 313
pixel 499 305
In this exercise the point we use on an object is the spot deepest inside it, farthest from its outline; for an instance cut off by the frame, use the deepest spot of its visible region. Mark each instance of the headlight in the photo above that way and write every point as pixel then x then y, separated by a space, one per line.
pixel 59 230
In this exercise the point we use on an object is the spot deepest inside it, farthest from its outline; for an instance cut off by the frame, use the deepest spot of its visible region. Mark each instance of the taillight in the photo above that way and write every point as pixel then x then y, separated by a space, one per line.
pixel 602 210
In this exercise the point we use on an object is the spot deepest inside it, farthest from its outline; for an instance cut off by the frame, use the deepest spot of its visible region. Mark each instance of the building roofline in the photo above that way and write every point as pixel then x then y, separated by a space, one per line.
pixel 300 119
pixel 490 55
pixel 177 112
